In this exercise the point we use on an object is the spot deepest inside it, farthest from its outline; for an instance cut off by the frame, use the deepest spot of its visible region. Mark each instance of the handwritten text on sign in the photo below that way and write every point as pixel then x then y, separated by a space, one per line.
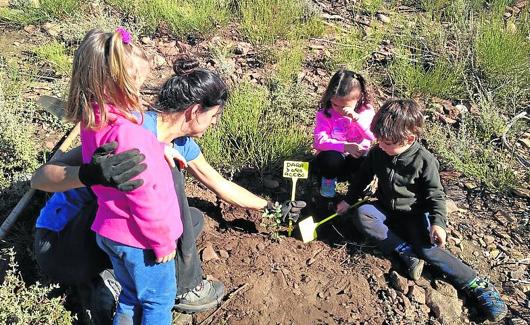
pixel 295 169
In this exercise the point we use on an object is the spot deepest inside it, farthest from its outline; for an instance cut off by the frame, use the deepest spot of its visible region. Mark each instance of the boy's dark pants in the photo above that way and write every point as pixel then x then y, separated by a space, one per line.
pixel 72 256
pixel 389 232
pixel 333 164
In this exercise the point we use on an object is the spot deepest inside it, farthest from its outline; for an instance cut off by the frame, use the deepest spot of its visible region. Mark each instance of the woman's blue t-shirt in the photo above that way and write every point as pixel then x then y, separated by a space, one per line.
pixel 64 206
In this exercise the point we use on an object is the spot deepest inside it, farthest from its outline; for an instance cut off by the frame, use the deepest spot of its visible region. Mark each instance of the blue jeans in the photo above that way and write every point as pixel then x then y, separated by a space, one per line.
pixel 389 231
pixel 148 288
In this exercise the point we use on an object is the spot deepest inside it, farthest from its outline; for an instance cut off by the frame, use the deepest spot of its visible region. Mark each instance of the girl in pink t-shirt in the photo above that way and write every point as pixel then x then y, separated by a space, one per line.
pixel 342 135
pixel 137 229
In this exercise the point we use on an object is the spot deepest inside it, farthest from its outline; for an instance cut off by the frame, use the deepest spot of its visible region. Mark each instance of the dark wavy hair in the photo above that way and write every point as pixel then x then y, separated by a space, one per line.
pixel 396 120
pixel 191 85
pixel 340 85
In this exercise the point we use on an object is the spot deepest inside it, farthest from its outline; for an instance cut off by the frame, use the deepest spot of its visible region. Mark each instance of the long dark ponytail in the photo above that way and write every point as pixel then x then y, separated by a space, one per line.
pixel 341 84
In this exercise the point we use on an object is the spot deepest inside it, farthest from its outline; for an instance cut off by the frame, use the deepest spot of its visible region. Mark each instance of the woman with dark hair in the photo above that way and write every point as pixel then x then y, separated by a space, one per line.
pixel 188 104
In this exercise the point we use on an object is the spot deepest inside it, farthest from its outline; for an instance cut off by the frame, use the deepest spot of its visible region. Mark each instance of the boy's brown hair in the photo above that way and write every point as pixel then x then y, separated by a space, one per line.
pixel 396 120
pixel 100 75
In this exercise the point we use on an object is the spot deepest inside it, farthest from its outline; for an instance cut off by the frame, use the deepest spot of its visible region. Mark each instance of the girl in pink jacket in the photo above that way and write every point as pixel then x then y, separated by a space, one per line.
pixel 342 135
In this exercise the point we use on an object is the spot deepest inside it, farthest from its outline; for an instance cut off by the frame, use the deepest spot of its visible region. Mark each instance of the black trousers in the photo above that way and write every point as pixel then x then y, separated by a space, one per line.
pixel 72 257
pixel 333 164
pixel 389 231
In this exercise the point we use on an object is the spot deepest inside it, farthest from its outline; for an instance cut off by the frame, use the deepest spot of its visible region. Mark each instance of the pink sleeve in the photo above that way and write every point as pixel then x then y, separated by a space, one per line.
pixel 322 139
pixel 364 122
pixel 149 203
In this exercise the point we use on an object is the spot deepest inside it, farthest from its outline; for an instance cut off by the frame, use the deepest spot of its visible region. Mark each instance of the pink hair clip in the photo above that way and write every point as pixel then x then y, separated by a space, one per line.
pixel 126 37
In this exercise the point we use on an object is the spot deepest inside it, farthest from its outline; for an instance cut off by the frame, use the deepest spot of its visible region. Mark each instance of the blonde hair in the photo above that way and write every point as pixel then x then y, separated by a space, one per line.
pixel 100 75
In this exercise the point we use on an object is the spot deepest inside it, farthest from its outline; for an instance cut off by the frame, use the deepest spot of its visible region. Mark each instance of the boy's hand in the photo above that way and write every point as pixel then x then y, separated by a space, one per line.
pixel 171 154
pixel 166 258
pixel 438 236
pixel 342 207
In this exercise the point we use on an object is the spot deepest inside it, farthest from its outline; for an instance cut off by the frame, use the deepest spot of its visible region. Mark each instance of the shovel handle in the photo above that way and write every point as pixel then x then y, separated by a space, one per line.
pixel 335 214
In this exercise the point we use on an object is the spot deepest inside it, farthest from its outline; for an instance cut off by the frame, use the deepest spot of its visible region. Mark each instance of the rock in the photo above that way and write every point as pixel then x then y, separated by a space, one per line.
pixel 417 294
pixel 504 218
pixel 208 253
pixel 422 282
pixel 398 282
pixel 445 308
pixel 470 185
pixel 182 319
pixel 521 192
pixel 451 206
pixel 146 40
pixel 30 28
pixel 517 321
pixel 242 48
pixel 260 246
pixel 223 253
pixel 158 61
pixel 382 18
pixel 488 239
pixel 446 289
pixel 525 141
pixel 462 109
pixel 270 183
pixel 52 29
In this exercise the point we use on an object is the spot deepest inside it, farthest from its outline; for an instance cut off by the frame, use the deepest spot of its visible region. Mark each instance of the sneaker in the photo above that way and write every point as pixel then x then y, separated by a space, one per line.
pixel 327 187
pixel 488 299
pixel 208 294
pixel 413 264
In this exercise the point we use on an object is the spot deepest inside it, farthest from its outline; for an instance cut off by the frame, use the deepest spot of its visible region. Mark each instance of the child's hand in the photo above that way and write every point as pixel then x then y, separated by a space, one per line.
pixel 166 258
pixel 354 149
pixel 350 112
pixel 438 236
pixel 342 207
pixel 171 154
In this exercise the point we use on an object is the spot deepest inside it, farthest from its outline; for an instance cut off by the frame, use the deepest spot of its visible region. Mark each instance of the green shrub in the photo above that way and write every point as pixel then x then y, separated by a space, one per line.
pixel 373 6
pixel 289 63
pixel 504 57
pixel 469 148
pixel 32 12
pixel 442 80
pixel 265 21
pixel 22 304
pixel 182 17
pixel 54 53
pixel 254 132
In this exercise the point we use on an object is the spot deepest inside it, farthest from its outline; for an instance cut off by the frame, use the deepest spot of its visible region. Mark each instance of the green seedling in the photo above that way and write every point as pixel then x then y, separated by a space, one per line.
pixel 308 227
pixel 294 170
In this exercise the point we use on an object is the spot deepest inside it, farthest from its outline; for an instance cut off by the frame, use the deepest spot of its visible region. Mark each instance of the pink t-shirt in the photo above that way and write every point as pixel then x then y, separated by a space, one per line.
pixel 149 216
pixel 331 133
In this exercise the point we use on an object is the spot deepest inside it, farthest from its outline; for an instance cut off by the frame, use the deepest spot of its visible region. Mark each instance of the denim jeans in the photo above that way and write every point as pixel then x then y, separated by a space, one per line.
pixel 389 231
pixel 148 288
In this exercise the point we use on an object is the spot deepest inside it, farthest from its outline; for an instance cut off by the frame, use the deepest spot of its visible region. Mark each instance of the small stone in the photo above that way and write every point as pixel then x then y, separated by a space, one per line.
pixel 208 254
pixel 17 44
pixel 470 185
pixel 52 29
pixel 517 321
pixel 398 282
pixel 521 192
pixel 382 18
pixel 30 28
pixel 242 48
pixel 451 206
pixel 446 309
pixel 417 294
pixel 446 289
pixel 146 40
pixel 260 246
pixel 488 239
pixel 158 61
pixel 462 109
pixel 223 253
pixel 320 294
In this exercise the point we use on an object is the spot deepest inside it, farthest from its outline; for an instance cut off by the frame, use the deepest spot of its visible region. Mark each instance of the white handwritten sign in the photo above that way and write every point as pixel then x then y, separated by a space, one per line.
pixel 295 169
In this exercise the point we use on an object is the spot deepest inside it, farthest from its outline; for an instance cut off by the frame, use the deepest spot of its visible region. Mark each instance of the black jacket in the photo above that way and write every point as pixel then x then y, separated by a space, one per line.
pixel 408 184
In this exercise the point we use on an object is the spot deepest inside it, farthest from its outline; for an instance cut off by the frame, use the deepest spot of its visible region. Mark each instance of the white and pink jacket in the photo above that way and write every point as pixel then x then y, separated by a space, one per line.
pixel 331 133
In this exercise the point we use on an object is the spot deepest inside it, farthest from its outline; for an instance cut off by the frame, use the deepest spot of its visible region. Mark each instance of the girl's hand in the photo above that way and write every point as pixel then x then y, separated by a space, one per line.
pixel 354 149
pixel 171 154
pixel 166 258
pixel 350 112
pixel 438 236
pixel 342 207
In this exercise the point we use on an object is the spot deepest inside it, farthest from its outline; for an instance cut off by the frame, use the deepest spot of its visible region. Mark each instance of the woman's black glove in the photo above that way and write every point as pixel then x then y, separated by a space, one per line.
pixel 288 209
pixel 113 170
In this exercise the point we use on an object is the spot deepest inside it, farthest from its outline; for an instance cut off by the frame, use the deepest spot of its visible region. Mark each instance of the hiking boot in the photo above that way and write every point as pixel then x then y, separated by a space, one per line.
pixel 413 264
pixel 98 298
pixel 206 295
pixel 488 299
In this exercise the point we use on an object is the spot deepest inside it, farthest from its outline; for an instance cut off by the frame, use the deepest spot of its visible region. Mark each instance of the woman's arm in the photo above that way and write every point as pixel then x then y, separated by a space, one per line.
pixel 60 174
pixel 226 190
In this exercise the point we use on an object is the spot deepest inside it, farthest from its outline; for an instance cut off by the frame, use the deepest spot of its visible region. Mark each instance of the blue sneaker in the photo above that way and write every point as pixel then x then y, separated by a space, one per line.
pixel 327 187
pixel 488 299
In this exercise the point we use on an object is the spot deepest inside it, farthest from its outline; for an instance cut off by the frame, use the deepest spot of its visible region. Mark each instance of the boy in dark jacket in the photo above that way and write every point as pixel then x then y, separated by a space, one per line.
pixel 409 216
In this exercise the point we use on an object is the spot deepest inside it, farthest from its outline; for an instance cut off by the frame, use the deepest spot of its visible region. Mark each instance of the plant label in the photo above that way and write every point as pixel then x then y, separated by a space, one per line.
pixel 295 169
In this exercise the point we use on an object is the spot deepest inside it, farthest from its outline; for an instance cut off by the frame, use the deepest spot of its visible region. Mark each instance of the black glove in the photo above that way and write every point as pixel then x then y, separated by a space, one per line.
pixel 289 209
pixel 113 170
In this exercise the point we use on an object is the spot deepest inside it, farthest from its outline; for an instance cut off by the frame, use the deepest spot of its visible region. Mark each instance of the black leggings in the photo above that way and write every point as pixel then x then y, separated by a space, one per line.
pixel 71 256
pixel 333 164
